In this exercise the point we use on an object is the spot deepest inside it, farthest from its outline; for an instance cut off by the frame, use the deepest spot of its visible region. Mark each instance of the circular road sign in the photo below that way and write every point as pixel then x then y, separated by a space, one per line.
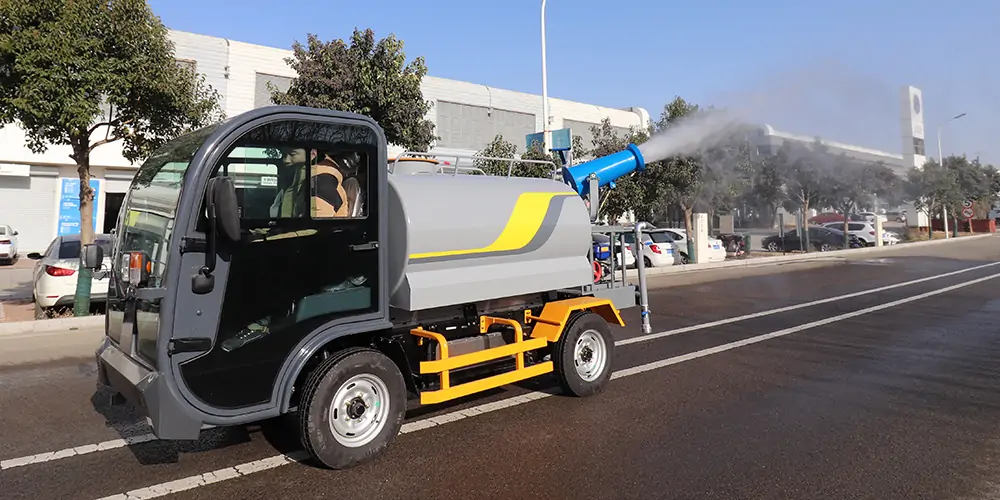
pixel 967 212
pixel 967 203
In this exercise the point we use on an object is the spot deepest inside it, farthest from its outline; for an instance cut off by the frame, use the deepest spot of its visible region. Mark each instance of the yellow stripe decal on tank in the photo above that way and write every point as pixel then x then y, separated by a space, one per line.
pixel 524 222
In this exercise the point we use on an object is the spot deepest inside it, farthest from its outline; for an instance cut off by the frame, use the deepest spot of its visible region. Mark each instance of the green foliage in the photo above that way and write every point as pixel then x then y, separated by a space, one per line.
pixel 933 187
pixel 363 76
pixel 61 60
pixel 495 154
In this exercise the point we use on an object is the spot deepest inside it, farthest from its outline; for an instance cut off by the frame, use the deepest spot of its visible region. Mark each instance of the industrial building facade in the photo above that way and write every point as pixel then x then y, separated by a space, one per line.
pixel 39 192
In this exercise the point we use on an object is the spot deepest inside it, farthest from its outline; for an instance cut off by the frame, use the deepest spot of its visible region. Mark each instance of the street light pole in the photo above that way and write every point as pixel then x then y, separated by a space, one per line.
pixel 546 133
pixel 944 209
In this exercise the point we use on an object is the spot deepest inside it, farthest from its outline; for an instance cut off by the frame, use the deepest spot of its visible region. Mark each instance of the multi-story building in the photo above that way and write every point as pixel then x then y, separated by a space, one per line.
pixel 39 192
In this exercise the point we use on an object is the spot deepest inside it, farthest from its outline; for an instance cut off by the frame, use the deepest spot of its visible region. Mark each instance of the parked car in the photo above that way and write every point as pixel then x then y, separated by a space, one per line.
pixel 865 231
pixel 821 238
pixel 871 216
pixel 658 249
pixel 8 244
pixel 826 217
pixel 714 250
pixel 55 273
pixel 628 255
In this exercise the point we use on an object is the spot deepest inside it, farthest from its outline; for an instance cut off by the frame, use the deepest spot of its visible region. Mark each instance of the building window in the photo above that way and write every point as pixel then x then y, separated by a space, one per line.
pixel 462 126
pixel 262 93
pixel 188 63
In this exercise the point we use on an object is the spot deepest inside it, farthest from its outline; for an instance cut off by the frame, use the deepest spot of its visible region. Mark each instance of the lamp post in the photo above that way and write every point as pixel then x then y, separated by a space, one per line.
pixel 944 209
pixel 546 133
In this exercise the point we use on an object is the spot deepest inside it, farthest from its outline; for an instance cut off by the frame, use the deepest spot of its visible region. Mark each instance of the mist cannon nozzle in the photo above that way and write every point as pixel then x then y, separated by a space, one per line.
pixel 608 169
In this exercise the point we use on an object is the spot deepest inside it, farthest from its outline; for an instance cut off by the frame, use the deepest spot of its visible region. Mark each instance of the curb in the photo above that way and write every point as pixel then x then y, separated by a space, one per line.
pixel 769 261
pixel 51 325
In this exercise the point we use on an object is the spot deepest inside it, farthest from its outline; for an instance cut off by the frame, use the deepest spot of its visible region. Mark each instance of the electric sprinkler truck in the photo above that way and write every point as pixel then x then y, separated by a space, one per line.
pixel 279 262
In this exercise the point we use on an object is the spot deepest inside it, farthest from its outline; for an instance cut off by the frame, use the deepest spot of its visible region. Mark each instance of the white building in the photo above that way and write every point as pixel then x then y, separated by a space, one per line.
pixel 38 192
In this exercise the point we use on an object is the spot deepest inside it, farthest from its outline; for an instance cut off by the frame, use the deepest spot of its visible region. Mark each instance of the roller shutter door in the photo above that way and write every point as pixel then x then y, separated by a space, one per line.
pixel 28 204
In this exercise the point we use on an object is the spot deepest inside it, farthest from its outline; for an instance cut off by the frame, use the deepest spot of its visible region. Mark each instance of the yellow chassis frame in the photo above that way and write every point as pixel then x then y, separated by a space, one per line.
pixel 548 328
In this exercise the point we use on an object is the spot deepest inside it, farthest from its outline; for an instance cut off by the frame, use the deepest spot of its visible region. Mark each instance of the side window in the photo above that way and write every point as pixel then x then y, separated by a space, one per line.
pixel 276 182
pixel 339 184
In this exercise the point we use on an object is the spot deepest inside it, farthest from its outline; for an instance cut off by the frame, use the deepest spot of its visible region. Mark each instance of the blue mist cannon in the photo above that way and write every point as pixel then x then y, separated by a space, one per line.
pixel 607 169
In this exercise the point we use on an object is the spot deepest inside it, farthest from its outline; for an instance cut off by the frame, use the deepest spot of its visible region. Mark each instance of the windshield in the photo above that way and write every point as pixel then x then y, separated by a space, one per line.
pixel 146 220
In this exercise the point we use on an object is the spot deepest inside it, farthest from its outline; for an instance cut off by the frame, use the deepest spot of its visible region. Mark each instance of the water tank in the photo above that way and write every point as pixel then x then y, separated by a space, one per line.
pixel 455 239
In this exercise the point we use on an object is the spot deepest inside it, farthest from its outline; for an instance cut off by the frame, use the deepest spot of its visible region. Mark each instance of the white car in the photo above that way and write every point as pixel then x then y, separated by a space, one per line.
pixel 8 244
pixel 629 255
pixel 714 251
pixel 658 251
pixel 870 217
pixel 55 273
pixel 865 231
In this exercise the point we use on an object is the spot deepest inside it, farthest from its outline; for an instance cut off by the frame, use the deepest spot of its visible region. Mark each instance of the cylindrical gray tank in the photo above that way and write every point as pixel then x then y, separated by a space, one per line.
pixel 455 239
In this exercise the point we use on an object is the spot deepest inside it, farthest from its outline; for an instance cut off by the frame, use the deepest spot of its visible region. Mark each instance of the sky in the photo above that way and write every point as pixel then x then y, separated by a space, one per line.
pixel 830 69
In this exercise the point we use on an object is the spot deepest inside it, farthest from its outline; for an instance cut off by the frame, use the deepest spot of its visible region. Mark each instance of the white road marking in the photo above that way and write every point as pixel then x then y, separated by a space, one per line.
pixel 245 469
pixel 72 452
pixel 417 425
pixel 702 326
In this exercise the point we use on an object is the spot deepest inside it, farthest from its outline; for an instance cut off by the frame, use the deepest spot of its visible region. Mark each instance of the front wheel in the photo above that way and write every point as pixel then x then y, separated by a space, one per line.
pixel 583 354
pixel 353 405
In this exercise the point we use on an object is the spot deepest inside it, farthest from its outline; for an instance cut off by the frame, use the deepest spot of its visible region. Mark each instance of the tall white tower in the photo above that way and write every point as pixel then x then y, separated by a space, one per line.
pixel 911 118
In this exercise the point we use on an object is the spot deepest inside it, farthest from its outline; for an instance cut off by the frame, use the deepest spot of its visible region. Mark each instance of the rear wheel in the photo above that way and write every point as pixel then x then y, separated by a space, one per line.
pixel 583 354
pixel 353 405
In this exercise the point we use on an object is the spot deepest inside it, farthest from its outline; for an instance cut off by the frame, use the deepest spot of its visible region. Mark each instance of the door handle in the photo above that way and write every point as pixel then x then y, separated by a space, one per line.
pixel 371 245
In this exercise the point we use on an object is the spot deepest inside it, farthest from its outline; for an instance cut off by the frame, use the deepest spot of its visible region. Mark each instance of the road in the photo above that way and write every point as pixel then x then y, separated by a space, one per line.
pixel 870 377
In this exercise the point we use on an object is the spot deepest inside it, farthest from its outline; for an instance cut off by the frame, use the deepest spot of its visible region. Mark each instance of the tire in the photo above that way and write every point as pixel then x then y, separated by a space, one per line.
pixel 646 262
pixel 772 247
pixel 592 335
pixel 348 373
pixel 824 247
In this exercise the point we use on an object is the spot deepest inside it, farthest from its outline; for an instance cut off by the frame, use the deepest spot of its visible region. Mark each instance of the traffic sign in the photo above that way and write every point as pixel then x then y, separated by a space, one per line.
pixel 967 204
pixel 967 212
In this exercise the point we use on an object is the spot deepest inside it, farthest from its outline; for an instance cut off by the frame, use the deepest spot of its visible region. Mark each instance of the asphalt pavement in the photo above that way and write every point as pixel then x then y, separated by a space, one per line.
pixel 868 377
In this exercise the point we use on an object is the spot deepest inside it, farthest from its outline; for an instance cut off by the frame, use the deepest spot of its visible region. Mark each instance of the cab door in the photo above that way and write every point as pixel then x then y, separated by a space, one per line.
pixel 309 262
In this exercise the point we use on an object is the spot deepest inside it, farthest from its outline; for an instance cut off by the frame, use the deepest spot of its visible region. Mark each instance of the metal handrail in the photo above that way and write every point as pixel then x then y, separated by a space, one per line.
pixel 456 165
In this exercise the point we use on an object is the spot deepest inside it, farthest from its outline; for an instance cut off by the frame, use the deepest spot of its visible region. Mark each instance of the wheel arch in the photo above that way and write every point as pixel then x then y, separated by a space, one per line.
pixel 328 342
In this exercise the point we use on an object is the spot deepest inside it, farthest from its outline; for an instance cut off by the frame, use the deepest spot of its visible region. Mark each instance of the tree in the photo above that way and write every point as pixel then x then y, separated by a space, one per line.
pixel 807 174
pixel 932 188
pixel 680 175
pixel 500 148
pixel 848 187
pixel 61 61
pixel 367 77
pixel 767 189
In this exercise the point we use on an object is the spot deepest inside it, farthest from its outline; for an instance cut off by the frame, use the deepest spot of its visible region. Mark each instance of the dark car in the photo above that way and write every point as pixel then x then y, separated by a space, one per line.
pixel 823 239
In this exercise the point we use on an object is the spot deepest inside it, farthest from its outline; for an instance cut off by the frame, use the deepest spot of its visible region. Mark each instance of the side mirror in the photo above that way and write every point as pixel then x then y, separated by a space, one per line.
pixel 92 256
pixel 34 256
pixel 227 209
pixel 15 233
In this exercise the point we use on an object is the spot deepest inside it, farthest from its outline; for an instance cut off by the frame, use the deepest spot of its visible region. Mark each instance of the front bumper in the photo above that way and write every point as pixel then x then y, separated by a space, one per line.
pixel 147 391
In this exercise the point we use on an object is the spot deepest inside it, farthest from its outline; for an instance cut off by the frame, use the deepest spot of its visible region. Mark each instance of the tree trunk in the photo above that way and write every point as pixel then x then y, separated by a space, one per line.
pixel 81 298
pixel 805 225
pixel 688 211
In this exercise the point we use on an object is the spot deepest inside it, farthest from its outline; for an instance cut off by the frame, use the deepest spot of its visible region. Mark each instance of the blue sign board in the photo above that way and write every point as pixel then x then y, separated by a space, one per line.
pixel 562 139
pixel 69 205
